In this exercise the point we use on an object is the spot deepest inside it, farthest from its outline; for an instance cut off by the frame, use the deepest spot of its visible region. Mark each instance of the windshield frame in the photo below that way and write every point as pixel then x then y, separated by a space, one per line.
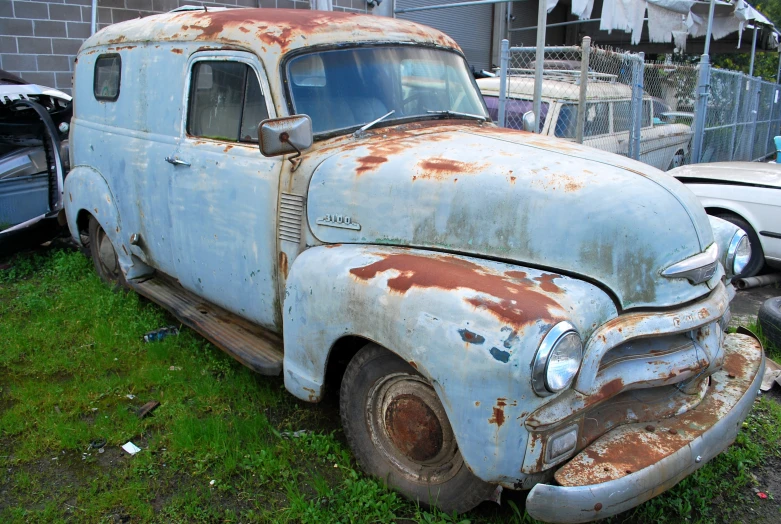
pixel 283 71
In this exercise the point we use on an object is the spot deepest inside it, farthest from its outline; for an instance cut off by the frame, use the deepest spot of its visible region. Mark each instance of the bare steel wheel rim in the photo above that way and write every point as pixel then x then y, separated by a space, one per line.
pixel 410 429
pixel 107 257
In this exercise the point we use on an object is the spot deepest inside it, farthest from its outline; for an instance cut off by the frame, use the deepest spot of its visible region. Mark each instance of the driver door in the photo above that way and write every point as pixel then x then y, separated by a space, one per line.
pixel 223 198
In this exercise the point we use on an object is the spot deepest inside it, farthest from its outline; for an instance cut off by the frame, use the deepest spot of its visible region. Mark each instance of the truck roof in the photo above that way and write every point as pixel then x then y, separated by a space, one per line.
pixel 266 30
pixel 557 89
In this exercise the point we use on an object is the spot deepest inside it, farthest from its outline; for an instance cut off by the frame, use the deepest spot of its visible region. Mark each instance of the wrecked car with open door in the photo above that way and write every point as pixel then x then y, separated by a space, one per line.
pixel 512 310
pixel 34 124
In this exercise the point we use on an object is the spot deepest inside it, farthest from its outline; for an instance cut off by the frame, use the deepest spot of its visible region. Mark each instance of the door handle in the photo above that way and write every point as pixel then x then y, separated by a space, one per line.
pixel 176 161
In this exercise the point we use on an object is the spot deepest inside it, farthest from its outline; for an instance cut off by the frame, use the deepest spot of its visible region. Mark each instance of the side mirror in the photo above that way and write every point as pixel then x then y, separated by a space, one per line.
pixel 280 136
pixel 529 122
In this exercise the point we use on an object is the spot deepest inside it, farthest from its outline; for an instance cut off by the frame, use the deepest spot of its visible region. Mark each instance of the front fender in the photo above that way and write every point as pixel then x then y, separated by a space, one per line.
pixel 470 326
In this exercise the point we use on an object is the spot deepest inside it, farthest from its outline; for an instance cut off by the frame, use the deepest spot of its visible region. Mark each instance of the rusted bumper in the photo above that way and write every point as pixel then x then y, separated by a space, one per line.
pixel 636 462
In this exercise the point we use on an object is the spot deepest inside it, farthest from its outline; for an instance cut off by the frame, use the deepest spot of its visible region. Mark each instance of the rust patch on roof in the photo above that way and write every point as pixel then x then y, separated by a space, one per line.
pixel 177 51
pixel 513 301
pixel 281 27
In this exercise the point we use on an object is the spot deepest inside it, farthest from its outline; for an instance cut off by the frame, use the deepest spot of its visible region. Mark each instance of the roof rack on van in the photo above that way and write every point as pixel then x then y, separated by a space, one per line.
pixel 185 8
pixel 564 75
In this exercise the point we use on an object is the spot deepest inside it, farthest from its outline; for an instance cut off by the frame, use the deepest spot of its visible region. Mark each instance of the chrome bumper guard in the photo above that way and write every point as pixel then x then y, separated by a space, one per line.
pixel 635 462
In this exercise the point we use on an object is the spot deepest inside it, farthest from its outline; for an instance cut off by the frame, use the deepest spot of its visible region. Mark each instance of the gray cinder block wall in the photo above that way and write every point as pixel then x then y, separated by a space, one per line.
pixel 39 39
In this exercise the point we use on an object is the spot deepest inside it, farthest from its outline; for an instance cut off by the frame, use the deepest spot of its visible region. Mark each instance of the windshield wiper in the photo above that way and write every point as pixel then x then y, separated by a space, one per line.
pixel 370 124
pixel 456 113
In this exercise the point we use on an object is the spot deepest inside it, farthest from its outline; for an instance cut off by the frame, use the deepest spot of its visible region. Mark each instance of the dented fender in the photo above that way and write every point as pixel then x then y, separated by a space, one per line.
pixel 470 326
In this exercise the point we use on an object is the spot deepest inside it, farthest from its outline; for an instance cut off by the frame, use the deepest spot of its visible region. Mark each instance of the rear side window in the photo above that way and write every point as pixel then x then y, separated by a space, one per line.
pixel 108 74
pixel 226 102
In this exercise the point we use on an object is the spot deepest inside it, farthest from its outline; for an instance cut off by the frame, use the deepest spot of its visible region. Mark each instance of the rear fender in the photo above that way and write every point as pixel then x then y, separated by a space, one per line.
pixel 470 326
pixel 87 190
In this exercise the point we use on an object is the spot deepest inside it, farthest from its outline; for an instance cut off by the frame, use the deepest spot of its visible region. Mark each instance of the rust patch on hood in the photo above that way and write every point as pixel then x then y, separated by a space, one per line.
pixel 498 416
pixel 442 168
pixel 369 163
pixel 546 282
pixel 513 301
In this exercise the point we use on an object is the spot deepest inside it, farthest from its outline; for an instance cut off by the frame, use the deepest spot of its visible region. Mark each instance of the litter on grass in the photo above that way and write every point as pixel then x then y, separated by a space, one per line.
pixel 772 375
pixel 160 334
pixel 147 408
pixel 131 448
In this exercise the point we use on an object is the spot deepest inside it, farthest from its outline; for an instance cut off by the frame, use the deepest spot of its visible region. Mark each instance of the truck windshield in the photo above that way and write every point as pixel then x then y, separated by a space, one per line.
pixel 346 88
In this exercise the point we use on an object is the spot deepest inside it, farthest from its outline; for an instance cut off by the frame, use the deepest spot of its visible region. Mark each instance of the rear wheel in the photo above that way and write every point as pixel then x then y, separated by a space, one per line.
pixel 104 257
pixel 677 160
pixel 757 261
pixel 399 432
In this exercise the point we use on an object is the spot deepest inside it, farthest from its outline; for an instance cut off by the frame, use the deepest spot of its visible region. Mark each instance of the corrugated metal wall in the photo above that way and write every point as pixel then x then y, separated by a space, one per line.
pixel 469 26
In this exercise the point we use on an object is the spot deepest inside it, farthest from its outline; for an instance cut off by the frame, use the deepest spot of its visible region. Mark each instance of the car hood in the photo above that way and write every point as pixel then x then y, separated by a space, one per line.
pixel 515 196
pixel 744 173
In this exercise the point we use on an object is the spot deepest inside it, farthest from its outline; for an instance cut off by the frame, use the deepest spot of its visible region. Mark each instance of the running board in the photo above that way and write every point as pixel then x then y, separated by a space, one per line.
pixel 255 347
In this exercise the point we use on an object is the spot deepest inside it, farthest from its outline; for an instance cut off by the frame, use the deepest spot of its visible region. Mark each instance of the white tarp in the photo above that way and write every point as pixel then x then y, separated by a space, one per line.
pixel 671 19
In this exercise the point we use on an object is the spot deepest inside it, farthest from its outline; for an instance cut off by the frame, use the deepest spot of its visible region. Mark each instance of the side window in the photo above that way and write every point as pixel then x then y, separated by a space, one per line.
pixel 597 119
pixel 646 114
pixel 108 73
pixel 226 102
pixel 622 116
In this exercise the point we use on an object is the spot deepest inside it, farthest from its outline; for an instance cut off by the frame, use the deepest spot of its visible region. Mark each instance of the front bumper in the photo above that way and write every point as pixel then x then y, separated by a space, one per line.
pixel 636 462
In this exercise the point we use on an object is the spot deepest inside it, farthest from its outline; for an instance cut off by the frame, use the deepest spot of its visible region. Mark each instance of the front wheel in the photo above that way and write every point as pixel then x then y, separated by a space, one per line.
pixel 399 432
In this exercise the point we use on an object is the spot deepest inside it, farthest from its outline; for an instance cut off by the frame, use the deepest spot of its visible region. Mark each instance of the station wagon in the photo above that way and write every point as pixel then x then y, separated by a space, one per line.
pixel 663 144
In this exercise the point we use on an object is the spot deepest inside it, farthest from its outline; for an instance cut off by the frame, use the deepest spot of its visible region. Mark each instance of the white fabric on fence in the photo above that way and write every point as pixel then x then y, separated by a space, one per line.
pixel 670 19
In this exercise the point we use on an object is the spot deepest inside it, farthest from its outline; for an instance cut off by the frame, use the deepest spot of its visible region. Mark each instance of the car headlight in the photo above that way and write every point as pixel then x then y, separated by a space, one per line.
pixel 738 253
pixel 557 360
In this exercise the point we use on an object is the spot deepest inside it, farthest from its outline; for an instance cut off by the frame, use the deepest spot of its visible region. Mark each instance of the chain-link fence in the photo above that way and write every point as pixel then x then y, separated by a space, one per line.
pixel 616 102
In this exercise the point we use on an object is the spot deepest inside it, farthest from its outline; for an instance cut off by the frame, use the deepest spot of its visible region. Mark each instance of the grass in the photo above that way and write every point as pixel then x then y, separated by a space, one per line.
pixel 74 369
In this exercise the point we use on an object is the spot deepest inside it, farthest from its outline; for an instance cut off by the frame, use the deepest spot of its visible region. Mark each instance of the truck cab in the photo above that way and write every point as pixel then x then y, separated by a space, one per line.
pixel 310 188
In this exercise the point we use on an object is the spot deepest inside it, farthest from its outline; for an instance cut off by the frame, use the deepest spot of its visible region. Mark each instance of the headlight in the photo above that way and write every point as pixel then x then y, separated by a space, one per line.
pixel 738 253
pixel 557 360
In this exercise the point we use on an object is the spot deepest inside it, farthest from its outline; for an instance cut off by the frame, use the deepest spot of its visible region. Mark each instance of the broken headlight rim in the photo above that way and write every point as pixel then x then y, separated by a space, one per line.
pixel 738 253
pixel 557 360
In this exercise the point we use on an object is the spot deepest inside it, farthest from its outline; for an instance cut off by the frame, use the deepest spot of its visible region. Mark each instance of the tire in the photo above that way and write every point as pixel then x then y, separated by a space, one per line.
pixel 430 469
pixel 678 159
pixel 104 256
pixel 769 318
pixel 757 261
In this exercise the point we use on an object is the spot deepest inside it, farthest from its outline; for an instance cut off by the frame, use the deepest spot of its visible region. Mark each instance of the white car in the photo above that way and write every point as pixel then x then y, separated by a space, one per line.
pixel 748 194
pixel 607 120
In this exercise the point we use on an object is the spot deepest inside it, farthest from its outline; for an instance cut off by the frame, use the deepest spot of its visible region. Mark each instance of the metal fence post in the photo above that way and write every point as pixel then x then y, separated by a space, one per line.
pixel 542 20
pixel 585 53
pixel 755 87
pixel 700 109
pixel 638 69
pixel 503 64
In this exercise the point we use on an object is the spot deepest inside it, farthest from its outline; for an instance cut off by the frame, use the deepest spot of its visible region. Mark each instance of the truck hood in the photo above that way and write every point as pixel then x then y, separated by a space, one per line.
pixel 514 196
